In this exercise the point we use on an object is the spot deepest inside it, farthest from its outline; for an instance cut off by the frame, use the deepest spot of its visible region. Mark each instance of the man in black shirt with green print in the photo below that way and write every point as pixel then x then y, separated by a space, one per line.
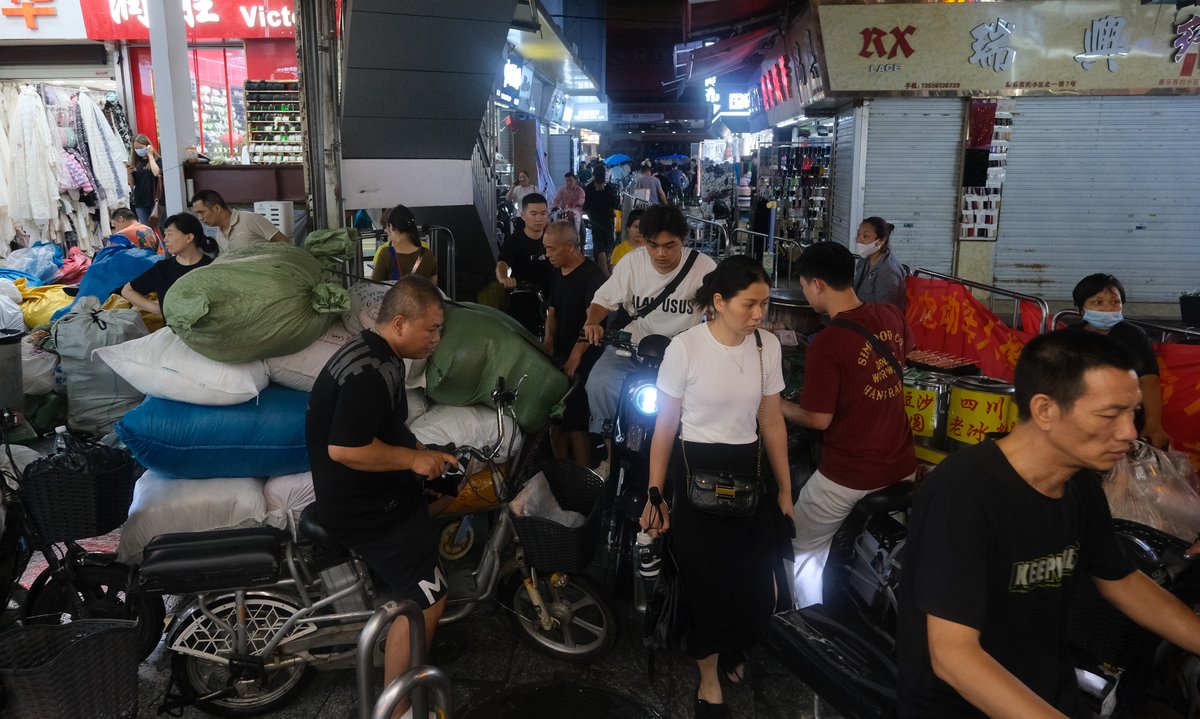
pixel 369 469
pixel 1003 532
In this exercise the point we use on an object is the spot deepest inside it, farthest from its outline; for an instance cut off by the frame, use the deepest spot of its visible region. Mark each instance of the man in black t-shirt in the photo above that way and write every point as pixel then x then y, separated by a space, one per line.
pixel 576 280
pixel 1002 533
pixel 368 468
pixel 522 258
pixel 601 201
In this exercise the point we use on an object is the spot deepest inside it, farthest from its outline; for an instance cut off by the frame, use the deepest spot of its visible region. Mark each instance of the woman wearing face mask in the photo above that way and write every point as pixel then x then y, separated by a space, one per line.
pixel 878 276
pixel 144 173
pixel 1101 298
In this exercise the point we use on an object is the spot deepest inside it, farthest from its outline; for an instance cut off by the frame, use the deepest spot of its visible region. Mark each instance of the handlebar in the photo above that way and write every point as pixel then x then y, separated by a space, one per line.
pixel 619 339
pixel 504 399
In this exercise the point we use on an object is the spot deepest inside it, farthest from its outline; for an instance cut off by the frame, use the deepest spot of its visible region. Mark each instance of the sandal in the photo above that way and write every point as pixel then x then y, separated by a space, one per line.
pixel 704 710
pixel 733 667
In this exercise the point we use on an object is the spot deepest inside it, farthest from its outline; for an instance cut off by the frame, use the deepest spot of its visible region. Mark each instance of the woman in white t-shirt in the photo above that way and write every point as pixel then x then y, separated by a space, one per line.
pixel 722 385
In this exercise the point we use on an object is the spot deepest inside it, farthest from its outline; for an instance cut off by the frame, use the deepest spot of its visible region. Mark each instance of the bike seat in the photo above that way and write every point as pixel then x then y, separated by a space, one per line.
pixel 314 531
pixel 895 498
pixel 192 562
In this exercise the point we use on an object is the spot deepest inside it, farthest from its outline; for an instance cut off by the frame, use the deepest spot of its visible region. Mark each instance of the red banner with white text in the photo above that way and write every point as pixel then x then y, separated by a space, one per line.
pixel 1179 373
pixel 946 317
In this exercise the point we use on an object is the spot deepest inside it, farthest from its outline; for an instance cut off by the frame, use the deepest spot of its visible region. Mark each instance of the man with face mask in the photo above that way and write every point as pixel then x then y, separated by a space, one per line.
pixel 854 392
pixel 879 275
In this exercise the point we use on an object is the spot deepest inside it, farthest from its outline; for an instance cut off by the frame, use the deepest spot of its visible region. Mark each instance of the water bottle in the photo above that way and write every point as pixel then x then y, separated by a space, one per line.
pixel 60 439
pixel 649 559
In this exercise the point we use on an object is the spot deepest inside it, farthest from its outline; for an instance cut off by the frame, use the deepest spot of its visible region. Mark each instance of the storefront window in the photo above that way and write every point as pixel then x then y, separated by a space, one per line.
pixel 218 78
pixel 220 109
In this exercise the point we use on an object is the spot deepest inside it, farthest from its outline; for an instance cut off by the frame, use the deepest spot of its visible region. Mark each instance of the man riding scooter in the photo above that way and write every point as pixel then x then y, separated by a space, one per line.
pixel 655 285
pixel 368 468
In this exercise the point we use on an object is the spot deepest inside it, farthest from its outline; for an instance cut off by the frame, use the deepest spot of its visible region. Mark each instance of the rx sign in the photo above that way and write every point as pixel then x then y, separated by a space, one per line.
pixel 875 42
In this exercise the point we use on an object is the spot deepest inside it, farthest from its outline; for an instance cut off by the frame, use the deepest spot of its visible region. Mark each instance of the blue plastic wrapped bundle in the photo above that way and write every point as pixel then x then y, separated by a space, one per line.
pixel 259 438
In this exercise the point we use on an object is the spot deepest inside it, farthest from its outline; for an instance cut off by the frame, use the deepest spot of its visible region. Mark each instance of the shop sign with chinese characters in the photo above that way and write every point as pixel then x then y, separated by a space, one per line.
pixel 203 19
pixel 1011 48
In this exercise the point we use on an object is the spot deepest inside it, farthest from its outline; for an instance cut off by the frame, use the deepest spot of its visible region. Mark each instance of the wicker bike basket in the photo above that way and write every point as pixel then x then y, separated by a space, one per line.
pixel 82 491
pixel 550 546
pixel 88 668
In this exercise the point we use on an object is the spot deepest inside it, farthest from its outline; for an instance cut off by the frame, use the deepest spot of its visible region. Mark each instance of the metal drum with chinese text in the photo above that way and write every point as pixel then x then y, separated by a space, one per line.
pixel 979 406
pixel 927 399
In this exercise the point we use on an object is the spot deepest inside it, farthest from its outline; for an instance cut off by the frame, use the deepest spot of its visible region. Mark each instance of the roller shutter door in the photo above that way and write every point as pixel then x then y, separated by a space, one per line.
pixel 843 176
pixel 1102 184
pixel 914 166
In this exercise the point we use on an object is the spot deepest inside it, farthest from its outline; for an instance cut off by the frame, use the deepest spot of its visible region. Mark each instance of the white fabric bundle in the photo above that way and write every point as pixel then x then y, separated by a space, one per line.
pixel 473 426
pixel 168 506
pixel 161 365
pixel 286 497
pixel 300 370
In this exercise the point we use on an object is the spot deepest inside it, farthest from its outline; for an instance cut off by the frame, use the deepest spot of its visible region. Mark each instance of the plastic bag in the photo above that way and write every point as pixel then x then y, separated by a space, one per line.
pixel 73 267
pixel 40 303
pixel 42 260
pixel 1155 488
pixel 536 499
pixel 111 268
pixel 12 320
pixel 83 490
pixel 9 290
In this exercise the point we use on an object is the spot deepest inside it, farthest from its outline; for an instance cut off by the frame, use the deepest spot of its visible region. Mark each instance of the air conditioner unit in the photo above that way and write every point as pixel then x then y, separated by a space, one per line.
pixel 279 213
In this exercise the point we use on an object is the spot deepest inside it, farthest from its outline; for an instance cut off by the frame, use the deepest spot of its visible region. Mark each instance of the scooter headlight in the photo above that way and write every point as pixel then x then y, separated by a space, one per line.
pixel 645 399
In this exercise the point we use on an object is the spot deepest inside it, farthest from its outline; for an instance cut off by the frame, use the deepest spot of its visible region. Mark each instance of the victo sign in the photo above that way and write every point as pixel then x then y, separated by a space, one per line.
pixel 203 19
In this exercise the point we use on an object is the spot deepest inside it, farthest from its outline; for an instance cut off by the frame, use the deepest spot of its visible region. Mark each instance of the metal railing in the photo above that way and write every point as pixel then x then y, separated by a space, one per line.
pixel 709 237
pixel 629 203
pixel 402 686
pixel 993 293
pixel 423 676
pixel 440 241
pixel 786 251
pixel 1164 332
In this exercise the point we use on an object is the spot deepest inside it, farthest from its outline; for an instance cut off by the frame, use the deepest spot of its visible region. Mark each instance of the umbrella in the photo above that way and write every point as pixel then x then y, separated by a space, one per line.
pixel 676 157
pixel 617 159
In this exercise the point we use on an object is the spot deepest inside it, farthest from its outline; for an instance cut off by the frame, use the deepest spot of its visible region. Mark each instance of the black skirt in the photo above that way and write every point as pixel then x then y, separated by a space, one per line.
pixel 727 565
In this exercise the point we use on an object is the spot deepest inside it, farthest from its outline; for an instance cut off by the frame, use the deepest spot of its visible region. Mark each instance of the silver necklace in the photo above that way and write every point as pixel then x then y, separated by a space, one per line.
pixel 729 353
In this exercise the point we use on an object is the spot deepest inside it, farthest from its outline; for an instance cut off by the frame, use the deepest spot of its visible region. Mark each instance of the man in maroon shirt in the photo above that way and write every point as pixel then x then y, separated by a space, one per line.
pixel 854 394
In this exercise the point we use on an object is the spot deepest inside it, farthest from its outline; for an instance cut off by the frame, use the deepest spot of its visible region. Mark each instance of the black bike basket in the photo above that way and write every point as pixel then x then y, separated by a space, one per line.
pixel 82 491
pixel 88 668
pixel 550 546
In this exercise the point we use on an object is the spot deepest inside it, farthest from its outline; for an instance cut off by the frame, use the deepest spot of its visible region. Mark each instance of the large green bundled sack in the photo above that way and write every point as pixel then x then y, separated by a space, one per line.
pixel 480 344
pixel 265 300
pixel 335 244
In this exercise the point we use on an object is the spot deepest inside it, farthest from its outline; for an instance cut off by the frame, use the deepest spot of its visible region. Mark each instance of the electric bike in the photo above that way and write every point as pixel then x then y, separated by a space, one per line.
pixel 264 610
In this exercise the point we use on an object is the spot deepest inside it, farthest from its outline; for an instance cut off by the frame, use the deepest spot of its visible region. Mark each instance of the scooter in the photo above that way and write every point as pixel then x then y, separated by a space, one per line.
pixel 629 467
pixel 845 649
pixel 263 610
pixel 76 583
